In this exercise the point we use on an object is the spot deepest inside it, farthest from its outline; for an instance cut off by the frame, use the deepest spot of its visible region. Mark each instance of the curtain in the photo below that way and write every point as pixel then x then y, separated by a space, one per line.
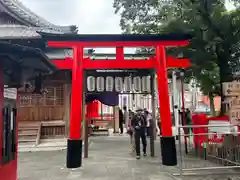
pixel 108 98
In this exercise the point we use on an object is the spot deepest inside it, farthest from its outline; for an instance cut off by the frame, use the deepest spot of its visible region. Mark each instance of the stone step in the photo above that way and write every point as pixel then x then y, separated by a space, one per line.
pixel 27 128
pixel 28 132
pixel 27 140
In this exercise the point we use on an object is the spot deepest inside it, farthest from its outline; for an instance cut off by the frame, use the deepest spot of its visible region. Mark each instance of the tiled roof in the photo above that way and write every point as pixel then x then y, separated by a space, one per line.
pixel 19 11
pixel 20 31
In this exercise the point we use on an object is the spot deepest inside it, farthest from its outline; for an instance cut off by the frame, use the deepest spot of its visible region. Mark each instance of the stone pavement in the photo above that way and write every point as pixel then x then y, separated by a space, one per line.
pixel 109 159
pixel 56 144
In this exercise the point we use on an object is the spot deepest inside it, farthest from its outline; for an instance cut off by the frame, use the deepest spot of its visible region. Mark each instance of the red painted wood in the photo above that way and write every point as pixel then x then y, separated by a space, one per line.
pixel 120 53
pixel 7 171
pixel 118 64
pixel 163 94
pixel 77 94
pixel 172 62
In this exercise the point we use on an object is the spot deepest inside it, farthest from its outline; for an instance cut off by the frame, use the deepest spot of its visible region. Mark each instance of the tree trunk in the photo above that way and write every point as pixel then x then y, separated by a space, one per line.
pixel 212 106
pixel 223 55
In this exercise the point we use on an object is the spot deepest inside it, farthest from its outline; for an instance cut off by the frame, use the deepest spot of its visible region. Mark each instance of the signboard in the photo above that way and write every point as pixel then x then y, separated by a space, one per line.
pixel 10 93
pixel 231 90
pixel 216 133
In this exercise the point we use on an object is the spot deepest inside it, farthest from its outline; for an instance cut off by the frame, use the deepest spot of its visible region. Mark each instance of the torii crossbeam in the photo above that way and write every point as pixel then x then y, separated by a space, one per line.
pixel 149 63
pixel 160 62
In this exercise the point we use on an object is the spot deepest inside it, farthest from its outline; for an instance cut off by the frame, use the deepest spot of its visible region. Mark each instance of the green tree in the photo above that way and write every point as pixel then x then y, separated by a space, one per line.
pixel 214 49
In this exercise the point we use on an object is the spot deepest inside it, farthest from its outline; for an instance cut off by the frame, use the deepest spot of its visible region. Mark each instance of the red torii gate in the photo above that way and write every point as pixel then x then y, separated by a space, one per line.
pixel 78 64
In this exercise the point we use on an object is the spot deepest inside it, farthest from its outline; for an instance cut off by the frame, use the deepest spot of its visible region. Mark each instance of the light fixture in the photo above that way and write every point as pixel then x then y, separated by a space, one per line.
pixel 91 83
pixel 109 83
pixel 137 83
pixel 128 83
pixel 146 84
pixel 100 84
pixel 118 84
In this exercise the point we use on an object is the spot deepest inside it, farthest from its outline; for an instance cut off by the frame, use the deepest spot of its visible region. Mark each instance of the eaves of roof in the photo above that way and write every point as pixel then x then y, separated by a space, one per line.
pixel 8 48
pixel 22 32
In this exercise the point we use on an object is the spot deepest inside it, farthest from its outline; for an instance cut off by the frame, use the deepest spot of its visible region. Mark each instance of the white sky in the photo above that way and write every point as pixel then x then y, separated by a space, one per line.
pixel 91 16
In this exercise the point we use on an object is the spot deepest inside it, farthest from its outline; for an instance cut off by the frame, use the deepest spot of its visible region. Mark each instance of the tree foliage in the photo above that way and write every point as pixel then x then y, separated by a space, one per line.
pixel 214 50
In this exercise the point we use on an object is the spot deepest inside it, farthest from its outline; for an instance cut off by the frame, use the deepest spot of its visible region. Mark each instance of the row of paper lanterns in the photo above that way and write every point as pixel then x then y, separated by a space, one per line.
pixel 118 84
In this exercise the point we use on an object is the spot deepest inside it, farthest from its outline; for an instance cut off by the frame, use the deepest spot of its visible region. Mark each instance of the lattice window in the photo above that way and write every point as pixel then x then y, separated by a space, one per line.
pixel 50 96
pixel 55 96
pixel 25 100
pixel 59 95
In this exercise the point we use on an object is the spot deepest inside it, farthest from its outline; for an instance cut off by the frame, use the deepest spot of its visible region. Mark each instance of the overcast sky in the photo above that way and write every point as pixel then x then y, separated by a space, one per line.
pixel 91 16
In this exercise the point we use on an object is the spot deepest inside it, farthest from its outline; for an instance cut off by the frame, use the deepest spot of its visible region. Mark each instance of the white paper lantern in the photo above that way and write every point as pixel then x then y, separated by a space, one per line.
pixel 109 83
pixel 146 84
pixel 137 83
pixel 128 83
pixel 118 84
pixel 100 84
pixel 91 84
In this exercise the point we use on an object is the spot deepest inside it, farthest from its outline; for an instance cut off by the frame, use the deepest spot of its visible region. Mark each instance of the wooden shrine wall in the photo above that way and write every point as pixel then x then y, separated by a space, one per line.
pixel 47 107
pixel 43 108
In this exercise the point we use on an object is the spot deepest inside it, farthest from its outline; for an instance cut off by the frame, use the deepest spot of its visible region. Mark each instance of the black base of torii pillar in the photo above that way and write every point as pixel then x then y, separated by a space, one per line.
pixel 74 153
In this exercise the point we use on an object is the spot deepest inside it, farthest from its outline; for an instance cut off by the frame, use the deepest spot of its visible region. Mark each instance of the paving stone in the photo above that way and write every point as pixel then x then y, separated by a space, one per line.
pixel 109 159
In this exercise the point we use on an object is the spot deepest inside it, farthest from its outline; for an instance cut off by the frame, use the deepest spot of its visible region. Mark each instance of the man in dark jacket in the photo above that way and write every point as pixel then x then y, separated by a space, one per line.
pixel 121 121
pixel 139 126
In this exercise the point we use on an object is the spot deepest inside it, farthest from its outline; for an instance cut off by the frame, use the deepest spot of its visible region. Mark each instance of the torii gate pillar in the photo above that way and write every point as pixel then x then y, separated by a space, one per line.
pixel 167 140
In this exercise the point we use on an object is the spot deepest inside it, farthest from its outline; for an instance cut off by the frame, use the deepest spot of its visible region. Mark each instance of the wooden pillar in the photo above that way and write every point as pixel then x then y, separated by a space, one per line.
pixel 153 123
pixel 168 146
pixel 74 144
pixel 116 120
pixel 85 127
pixel 67 103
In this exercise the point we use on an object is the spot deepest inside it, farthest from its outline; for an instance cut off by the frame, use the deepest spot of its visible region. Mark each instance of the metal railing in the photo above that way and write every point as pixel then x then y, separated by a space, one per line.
pixel 203 152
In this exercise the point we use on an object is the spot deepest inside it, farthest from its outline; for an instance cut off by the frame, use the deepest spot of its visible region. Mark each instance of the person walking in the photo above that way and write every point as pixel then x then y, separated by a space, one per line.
pixel 121 120
pixel 130 130
pixel 139 126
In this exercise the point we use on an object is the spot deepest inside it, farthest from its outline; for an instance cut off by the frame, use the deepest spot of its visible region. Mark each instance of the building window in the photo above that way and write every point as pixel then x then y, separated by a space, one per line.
pixel 9 134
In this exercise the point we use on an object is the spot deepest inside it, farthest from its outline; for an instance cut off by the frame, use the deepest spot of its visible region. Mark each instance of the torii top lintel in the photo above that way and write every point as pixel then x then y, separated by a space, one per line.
pixel 116 40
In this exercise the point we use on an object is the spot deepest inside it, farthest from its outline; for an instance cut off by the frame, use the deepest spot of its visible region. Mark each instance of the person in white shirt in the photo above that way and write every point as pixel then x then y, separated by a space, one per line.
pixel 130 130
